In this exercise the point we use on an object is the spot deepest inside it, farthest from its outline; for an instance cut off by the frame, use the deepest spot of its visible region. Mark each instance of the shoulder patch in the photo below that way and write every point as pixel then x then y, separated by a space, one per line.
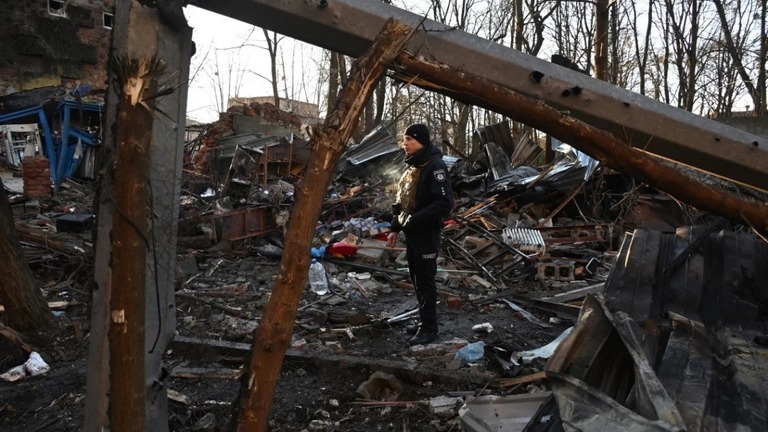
pixel 439 175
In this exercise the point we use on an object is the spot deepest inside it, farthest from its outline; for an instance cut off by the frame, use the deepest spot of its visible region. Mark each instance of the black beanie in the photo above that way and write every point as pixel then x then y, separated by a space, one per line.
pixel 420 132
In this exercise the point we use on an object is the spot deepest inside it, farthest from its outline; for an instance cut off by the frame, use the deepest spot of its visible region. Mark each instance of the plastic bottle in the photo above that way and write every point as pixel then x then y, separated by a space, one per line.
pixel 318 282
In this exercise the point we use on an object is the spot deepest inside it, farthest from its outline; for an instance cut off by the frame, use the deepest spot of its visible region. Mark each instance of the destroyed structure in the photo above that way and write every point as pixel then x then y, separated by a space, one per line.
pixel 53 74
pixel 572 296
pixel 55 43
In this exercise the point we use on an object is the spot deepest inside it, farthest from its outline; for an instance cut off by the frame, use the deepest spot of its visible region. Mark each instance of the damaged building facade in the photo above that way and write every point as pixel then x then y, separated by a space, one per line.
pixel 53 64
pixel 60 43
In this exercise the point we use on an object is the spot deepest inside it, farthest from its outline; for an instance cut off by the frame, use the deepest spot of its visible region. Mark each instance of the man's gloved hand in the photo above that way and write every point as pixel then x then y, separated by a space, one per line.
pixel 403 219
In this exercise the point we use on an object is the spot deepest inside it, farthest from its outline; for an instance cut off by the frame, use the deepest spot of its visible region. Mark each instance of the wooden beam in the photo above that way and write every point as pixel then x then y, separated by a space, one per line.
pixel 414 372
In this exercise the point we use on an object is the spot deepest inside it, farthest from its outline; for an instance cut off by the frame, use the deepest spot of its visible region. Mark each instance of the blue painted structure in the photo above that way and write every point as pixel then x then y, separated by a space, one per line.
pixel 60 149
pixel 66 162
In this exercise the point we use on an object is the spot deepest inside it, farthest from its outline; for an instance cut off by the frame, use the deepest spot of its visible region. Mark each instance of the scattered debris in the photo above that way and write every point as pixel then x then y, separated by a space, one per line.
pixel 538 238
pixel 546 351
pixel 380 386
pixel 471 353
pixel 34 366
pixel 501 413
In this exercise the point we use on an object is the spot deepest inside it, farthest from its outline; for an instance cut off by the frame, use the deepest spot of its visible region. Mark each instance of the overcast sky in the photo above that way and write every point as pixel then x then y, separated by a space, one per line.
pixel 211 31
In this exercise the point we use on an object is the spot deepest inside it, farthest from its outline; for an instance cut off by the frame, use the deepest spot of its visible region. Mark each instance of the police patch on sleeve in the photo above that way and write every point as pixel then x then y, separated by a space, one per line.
pixel 439 175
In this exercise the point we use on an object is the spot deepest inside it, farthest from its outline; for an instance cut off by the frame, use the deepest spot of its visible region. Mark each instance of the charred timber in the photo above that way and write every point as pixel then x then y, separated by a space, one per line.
pixel 273 336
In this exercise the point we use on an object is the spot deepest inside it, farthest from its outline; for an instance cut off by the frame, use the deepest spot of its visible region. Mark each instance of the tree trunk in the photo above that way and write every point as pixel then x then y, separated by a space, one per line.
pixel 272 49
pixel 333 81
pixel 343 78
pixel 692 54
pixel 381 94
pixel 519 26
pixel 368 115
pixel 273 336
pixel 25 307
pixel 597 143
pixel 601 40
pixel 614 42
pixel 762 60
pixel 460 140
pixel 646 48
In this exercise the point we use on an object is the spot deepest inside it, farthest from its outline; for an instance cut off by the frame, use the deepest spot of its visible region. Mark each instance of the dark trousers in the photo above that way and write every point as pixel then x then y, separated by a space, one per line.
pixel 421 253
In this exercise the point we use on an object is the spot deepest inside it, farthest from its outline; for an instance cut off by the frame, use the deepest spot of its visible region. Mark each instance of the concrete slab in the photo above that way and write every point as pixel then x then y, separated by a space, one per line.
pixel 11 182
pixel 375 252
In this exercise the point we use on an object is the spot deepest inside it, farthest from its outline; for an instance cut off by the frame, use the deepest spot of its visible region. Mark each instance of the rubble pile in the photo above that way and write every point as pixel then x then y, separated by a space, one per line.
pixel 560 283
pixel 201 152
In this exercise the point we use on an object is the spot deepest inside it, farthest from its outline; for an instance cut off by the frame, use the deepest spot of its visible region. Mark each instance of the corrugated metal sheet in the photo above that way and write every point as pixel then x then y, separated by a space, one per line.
pixel 377 143
pixel 524 239
pixel 498 133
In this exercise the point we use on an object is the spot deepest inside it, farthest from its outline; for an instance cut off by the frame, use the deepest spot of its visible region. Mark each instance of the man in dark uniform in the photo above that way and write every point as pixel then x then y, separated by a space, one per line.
pixel 424 200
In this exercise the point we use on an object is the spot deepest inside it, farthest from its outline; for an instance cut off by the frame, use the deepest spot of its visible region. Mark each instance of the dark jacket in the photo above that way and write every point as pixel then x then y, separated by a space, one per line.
pixel 434 196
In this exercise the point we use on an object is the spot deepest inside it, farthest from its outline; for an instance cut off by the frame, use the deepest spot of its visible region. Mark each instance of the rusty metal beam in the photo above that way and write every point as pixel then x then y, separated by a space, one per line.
pixel 349 27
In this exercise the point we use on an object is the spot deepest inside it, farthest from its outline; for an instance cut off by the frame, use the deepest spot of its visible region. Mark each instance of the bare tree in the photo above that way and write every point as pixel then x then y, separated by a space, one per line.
pixel 272 43
pixel 684 23
pixel 517 41
pixel 615 61
pixel 762 59
pixel 534 34
pixel 572 31
pixel 225 76
pixel 738 45
pixel 719 83
pixel 601 40
pixel 333 80
pixel 641 49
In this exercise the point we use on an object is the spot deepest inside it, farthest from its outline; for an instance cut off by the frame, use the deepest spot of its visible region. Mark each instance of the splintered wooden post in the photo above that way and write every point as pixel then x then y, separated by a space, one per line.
pixel 273 336
pixel 136 78
pixel 140 162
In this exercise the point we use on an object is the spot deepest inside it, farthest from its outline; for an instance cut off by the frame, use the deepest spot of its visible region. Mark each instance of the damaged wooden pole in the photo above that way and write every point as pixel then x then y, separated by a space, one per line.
pixel 273 336
pixel 132 297
pixel 130 241
pixel 598 143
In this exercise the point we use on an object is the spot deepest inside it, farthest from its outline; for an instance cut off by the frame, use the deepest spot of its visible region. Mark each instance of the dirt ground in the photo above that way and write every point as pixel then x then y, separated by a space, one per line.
pixel 314 393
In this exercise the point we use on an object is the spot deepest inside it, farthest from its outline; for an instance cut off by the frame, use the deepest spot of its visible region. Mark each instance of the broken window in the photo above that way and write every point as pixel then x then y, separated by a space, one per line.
pixel 56 7
pixel 19 141
pixel 107 20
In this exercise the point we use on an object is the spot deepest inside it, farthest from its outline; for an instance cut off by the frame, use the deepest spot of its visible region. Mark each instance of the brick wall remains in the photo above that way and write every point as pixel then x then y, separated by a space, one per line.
pixel 39 49
pixel 36 172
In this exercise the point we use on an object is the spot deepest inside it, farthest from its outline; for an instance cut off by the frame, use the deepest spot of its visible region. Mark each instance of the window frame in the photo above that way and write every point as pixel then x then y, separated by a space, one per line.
pixel 60 11
pixel 104 16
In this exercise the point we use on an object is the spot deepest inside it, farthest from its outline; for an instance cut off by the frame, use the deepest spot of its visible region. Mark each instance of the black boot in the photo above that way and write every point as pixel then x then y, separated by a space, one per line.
pixel 423 337
pixel 412 329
